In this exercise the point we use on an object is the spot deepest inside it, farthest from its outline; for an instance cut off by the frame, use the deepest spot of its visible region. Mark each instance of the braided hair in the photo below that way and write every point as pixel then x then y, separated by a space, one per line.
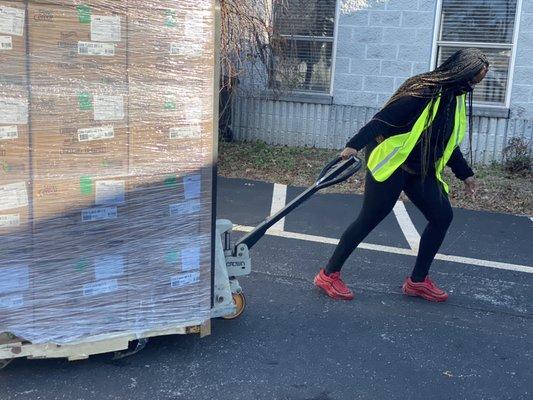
pixel 452 77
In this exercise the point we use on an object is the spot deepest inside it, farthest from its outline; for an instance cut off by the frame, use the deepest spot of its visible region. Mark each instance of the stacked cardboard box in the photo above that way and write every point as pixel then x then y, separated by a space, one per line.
pixel 108 152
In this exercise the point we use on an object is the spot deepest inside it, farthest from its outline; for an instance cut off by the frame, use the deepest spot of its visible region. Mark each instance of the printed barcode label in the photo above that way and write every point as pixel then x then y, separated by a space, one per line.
pixel 13 111
pixel 6 43
pixel 10 302
pixel 14 278
pixel 9 132
pixel 108 108
pixel 186 49
pixel 96 49
pixel 99 214
pixel 13 196
pixel 9 220
pixel 187 279
pixel 192 185
pixel 105 28
pixel 12 21
pixel 186 132
pixel 190 258
pixel 98 133
pixel 110 192
pixel 108 266
pixel 100 287
pixel 185 208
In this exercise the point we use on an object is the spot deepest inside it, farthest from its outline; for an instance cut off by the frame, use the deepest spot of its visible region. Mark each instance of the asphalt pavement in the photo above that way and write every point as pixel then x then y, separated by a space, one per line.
pixel 294 343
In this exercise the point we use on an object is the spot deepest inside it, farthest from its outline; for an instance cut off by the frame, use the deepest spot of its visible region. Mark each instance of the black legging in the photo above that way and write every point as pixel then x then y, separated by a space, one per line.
pixel 379 200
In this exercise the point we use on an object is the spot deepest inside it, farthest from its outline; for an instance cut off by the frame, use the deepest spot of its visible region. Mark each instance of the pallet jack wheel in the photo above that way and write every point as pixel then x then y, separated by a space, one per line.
pixel 240 304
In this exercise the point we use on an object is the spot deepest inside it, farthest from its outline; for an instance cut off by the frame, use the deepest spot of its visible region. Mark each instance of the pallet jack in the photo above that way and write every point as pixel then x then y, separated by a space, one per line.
pixel 233 261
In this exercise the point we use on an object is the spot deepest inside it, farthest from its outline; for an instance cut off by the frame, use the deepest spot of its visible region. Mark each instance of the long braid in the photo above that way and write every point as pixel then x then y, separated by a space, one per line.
pixel 460 68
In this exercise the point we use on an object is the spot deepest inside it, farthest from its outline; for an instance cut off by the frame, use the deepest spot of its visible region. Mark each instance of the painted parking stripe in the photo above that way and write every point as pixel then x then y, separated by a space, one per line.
pixel 279 198
pixel 408 228
pixel 395 250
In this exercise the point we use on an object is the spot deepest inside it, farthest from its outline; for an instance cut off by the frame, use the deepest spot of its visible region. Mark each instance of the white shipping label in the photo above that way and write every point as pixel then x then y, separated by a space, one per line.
pixel 187 279
pixel 9 132
pixel 6 43
pixel 13 196
pixel 186 49
pixel 98 214
pixel 96 49
pixel 11 302
pixel 13 111
pixel 190 258
pixel 110 192
pixel 108 266
pixel 14 278
pixel 105 28
pixel 97 133
pixel 192 185
pixel 12 21
pixel 108 108
pixel 100 287
pixel 186 132
pixel 185 208
pixel 9 220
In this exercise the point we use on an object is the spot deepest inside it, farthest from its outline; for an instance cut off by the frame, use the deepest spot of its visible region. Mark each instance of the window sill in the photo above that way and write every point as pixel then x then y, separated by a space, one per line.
pixel 300 97
pixel 491 112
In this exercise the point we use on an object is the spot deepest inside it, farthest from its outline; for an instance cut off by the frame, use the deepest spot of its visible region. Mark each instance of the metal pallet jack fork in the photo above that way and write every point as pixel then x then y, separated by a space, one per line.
pixel 234 261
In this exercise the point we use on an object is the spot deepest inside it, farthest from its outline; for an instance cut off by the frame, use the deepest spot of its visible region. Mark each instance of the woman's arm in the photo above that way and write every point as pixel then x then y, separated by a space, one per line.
pixel 459 166
pixel 397 117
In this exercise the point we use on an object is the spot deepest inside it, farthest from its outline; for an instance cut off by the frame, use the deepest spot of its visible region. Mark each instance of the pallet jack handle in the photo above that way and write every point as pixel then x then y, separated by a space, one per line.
pixel 337 171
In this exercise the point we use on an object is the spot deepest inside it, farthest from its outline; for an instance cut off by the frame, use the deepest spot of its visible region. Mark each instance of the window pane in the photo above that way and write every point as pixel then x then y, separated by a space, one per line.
pixel 485 21
pixel 305 17
pixel 304 65
pixel 493 88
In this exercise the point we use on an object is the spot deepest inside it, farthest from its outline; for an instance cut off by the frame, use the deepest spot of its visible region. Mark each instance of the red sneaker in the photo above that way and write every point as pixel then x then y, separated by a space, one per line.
pixel 333 285
pixel 426 289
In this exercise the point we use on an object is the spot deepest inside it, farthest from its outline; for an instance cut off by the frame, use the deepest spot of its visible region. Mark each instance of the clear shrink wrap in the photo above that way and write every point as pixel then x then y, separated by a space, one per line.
pixel 106 155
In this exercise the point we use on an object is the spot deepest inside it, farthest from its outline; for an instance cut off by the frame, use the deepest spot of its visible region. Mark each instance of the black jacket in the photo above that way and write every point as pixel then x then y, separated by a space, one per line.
pixel 399 117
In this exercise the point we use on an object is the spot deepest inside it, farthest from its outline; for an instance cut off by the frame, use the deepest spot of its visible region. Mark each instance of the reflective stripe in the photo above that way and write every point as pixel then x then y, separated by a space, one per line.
pixel 385 160
pixel 456 131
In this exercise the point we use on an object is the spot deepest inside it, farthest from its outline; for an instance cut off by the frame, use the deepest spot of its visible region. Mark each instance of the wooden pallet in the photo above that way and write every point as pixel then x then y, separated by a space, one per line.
pixel 12 347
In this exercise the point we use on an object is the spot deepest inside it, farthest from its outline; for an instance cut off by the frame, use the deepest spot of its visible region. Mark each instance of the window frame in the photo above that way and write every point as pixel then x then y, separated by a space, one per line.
pixel 436 42
pixel 334 41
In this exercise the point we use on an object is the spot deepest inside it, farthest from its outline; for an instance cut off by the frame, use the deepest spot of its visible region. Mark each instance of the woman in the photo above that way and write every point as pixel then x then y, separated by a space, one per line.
pixel 408 144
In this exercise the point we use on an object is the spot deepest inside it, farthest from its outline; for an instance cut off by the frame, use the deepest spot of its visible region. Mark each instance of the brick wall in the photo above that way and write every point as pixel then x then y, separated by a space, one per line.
pixel 378 48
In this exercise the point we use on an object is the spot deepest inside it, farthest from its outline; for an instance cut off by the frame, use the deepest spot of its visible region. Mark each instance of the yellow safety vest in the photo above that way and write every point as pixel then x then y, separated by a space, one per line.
pixel 390 154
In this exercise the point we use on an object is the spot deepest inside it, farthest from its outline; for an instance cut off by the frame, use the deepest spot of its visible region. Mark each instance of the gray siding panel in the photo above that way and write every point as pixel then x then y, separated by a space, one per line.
pixel 331 126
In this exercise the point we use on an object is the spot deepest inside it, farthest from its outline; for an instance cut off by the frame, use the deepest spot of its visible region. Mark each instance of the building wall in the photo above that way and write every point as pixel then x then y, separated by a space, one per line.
pixel 377 49
pixel 522 90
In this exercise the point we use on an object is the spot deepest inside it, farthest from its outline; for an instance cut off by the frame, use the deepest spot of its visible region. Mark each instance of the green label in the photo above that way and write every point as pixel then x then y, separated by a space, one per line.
pixel 6 167
pixel 172 257
pixel 105 163
pixel 86 185
pixel 81 265
pixel 171 180
pixel 84 14
pixel 170 18
pixel 85 101
pixel 170 104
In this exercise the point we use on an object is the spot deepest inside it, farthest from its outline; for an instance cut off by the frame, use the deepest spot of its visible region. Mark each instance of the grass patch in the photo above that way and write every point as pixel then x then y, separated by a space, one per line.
pixel 498 190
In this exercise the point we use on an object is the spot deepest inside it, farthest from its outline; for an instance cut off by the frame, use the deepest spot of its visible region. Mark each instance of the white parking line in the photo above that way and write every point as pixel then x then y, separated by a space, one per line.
pixel 396 250
pixel 279 197
pixel 407 226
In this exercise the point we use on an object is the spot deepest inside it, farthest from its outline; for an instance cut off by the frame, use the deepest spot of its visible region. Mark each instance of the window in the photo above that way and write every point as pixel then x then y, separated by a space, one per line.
pixel 488 25
pixel 303 57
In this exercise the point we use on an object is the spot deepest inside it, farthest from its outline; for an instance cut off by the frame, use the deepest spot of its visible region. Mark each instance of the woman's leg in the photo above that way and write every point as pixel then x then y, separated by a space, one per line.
pixel 430 199
pixel 379 200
